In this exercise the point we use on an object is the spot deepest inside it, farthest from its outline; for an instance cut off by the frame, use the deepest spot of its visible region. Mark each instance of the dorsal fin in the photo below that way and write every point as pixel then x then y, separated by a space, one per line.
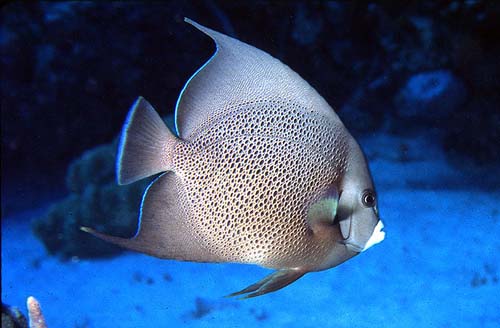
pixel 238 73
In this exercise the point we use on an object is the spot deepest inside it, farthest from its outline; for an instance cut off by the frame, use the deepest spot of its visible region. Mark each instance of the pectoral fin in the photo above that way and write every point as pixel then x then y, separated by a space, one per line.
pixel 324 210
pixel 271 283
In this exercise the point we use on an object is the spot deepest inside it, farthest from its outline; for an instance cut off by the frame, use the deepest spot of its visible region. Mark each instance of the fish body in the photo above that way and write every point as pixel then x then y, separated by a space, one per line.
pixel 259 172
pixel 262 171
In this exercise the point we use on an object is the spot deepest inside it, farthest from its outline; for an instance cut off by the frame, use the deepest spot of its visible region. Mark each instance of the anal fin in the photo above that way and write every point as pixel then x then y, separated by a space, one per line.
pixel 164 229
pixel 271 283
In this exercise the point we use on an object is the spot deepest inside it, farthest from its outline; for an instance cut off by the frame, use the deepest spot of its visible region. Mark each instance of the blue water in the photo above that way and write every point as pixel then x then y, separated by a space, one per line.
pixel 427 119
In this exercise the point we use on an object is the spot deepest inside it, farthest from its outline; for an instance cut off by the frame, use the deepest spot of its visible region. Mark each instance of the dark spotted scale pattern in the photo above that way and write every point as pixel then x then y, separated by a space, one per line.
pixel 250 173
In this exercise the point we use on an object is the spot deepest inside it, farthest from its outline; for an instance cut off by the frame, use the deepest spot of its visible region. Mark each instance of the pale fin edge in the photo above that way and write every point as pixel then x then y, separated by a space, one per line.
pixel 208 32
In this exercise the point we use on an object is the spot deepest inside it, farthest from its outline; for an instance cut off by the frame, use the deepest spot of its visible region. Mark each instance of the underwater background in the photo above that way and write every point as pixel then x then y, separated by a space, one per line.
pixel 416 83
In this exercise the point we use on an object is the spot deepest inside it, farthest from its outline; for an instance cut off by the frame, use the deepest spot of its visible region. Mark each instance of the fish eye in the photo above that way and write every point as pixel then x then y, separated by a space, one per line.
pixel 368 198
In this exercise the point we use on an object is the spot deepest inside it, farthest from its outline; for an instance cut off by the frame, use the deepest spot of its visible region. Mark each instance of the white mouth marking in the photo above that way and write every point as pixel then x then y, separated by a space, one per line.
pixel 377 236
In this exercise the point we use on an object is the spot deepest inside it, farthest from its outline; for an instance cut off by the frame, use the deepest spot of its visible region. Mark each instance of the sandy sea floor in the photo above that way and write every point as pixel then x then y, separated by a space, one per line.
pixel 438 267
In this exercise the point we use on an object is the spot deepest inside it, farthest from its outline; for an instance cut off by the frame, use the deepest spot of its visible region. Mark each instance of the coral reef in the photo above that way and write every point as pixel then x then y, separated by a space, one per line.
pixel 95 200
pixel 35 313
pixel 430 95
pixel 13 318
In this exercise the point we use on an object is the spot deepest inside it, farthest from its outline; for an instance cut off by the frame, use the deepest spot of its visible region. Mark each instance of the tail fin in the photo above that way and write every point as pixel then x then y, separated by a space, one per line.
pixel 146 144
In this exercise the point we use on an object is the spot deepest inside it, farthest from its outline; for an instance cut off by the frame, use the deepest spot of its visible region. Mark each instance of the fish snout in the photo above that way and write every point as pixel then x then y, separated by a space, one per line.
pixel 376 237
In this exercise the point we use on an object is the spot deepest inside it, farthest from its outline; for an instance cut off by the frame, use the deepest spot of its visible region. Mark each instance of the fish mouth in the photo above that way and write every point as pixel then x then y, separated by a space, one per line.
pixel 377 236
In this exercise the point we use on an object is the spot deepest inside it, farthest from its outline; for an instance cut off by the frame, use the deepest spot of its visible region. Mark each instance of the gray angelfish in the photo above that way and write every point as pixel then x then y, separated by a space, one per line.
pixel 262 172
